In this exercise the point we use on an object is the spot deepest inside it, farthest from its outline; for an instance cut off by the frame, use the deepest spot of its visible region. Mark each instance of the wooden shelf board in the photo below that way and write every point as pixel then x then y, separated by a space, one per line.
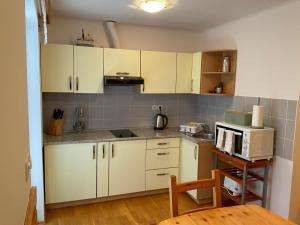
pixel 215 94
pixel 238 162
pixel 209 73
pixel 250 197
pixel 237 175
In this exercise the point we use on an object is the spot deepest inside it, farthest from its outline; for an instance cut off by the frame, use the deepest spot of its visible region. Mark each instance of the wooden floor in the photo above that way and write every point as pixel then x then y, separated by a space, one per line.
pixel 134 211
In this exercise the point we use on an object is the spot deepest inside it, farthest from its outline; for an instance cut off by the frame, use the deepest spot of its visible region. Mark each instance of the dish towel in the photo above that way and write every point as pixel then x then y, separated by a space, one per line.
pixel 229 142
pixel 220 139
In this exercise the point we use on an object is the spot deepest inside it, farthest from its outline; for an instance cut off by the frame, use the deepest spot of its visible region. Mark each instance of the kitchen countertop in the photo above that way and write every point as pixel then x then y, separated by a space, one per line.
pixel 91 136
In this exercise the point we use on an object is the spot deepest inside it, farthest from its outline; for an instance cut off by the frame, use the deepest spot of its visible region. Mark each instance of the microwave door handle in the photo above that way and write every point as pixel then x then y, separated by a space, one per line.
pixel 237 134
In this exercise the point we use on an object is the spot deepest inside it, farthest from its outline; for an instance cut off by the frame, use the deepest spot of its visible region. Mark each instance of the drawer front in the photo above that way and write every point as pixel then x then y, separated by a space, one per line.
pixel 162 158
pixel 159 179
pixel 163 143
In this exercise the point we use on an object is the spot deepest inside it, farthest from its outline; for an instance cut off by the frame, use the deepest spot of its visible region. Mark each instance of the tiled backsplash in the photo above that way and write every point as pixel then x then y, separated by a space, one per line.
pixel 280 114
pixel 123 107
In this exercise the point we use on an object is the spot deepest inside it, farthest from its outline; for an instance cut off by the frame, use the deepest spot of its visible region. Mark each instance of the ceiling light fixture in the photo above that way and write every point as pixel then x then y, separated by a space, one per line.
pixel 153 6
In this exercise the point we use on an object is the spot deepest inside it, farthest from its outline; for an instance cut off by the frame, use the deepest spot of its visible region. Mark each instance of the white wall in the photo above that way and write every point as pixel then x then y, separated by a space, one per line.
pixel 14 144
pixel 34 102
pixel 268 66
pixel 67 30
pixel 268 51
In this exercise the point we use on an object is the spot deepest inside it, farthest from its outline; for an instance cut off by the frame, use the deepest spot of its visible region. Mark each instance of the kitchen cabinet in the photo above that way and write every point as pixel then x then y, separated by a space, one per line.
pixel 88 70
pixel 196 162
pixel 162 161
pixel 57 68
pixel 70 171
pixel 102 169
pixel 196 72
pixel 122 61
pixel 127 167
pixel 74 69
pixel 184 72
pixel 159 71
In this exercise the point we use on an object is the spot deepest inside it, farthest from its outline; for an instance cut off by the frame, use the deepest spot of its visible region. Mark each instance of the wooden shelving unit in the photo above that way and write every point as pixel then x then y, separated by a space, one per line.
pixel 240 170
pixel 212 75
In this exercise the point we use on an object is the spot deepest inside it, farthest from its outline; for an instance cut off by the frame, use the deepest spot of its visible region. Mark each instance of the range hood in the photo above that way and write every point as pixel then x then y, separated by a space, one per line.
pixel 122 81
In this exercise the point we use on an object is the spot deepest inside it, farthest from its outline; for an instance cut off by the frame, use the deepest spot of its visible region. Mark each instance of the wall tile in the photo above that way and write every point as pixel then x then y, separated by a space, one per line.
pixel 279 108
pixel 249 102
pixel 292 110
pixel 290 129
pixel 288 149
pixel 278 148
pixel 279 125
pixel 238 103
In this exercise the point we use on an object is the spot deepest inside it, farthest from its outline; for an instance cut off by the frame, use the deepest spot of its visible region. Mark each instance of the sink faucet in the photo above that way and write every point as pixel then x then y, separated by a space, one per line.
pixel 206 128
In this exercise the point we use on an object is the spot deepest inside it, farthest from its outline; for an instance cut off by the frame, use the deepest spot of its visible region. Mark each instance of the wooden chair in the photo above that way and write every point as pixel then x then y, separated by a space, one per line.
pixel 175 189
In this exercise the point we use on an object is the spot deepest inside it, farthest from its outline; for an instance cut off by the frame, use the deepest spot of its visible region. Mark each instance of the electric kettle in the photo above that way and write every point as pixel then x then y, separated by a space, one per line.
pixel 160 121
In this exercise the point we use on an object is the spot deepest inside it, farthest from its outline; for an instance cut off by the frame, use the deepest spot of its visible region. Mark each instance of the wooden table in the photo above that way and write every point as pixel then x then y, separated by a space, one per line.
pixel 236 215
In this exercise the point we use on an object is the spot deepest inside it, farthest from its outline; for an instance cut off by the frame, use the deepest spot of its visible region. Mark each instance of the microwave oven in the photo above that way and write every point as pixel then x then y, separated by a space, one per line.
pixel 246 142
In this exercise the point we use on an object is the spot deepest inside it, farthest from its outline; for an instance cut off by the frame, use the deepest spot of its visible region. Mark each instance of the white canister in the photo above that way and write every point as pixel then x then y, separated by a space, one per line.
pixel 258 116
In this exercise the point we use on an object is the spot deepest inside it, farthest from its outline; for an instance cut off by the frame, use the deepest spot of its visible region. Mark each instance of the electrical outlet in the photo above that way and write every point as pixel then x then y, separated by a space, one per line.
pixel 160 107
pixel 154 107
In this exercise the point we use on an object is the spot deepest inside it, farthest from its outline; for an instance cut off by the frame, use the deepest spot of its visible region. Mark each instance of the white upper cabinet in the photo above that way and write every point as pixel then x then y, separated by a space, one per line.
pixel 88 70
pixel 184 72
pixel 118 61
pixel 57 68
pixel 159 71
pixel 196 72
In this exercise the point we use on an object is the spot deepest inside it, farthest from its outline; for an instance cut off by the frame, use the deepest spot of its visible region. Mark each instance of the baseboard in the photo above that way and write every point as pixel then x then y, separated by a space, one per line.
pixel 104 199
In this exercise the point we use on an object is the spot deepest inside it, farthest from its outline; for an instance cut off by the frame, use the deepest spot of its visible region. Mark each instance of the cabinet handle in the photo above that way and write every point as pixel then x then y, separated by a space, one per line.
pixel 195 153
pixel 122 73
pixel 103 151
pixel 112 151
pixel 162 174
pixel 70 83
pixel 163 143
pixel 77 83
pixel 94 152
pixel 163 153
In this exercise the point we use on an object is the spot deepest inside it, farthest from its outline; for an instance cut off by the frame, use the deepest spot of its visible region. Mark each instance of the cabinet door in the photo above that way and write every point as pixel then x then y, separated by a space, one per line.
pixel 127 167
pixel 196 72
pixel 57 68
pixel 70 172
pixel 102 169
pixel 88 70
pixel 122 61
pixel 189 163
pixel 159 71
pixel 184 72
pixel 159 179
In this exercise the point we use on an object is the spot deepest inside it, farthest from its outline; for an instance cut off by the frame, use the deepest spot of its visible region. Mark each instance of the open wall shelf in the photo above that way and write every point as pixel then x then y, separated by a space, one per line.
pixel 212 75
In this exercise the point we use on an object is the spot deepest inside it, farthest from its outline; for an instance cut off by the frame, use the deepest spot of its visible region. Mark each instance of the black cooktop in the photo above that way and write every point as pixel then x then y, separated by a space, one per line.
pixel 123 133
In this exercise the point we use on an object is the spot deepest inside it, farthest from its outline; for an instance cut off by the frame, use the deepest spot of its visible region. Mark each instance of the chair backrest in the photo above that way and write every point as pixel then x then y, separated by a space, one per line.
pixel 175 189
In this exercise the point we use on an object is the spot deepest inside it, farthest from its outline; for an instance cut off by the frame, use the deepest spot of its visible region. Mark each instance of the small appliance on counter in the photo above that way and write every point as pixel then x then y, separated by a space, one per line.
pixel 80 122
pixel 56 123
pixel 160 121
pixel 192 128
pixel 245 142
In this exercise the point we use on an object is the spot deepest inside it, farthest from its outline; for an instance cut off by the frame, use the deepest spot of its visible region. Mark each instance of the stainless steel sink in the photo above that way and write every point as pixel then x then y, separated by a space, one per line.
pixel 208 136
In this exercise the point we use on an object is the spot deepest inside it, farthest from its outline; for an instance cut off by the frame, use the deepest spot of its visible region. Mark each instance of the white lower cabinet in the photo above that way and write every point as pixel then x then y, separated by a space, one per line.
pixel 70 171
pixel 162 158
pixel 127 167
pixel 196 162
pixel 159 179
pixel 102 169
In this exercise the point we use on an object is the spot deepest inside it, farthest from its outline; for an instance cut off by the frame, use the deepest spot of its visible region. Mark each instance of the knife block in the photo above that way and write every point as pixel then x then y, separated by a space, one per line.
pixel 55 127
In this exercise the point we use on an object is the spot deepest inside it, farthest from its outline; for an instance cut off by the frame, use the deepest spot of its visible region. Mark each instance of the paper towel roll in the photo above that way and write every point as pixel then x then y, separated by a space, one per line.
pixel 258 116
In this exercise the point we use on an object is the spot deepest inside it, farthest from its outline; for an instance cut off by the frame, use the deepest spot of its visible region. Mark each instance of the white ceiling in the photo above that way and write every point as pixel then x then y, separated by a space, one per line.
pixel 183 14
